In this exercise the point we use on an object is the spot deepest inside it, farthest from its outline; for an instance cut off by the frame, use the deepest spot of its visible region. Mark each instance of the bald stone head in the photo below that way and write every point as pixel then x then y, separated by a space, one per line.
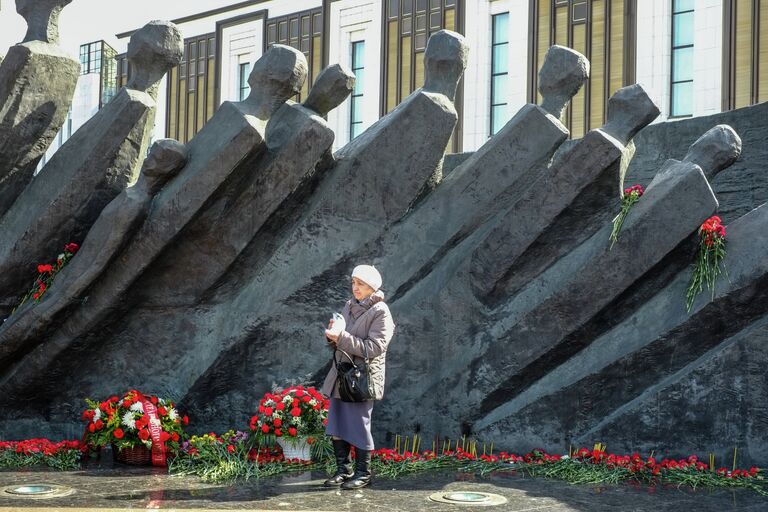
pixel 42 18
pixel 276 76
pixel 630 109
pixel 444 62
pixel 714 151
pixel 332 86
pixel 165 160
pixel 561 76
pixel 152 51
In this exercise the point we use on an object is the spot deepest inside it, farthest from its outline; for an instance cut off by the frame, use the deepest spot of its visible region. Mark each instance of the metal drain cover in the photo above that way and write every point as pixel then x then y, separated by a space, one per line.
pixel 468 498
pixel 32 490
pixel 36 491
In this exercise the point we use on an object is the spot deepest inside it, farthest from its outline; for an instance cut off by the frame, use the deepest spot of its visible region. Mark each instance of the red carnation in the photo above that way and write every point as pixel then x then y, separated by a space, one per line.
pixel 118 433
pixel 295 411
pixel 164 436
pixel 280 406
pixel 292 431
pixel 99 424
pixel 143 434
pixel 265 428
pixel 162 411
pixel 175 437
pixel 185 419
pixel 278 432
pixel 92 428
pixel 278 422
pixel 231 449
pixel 268 411
pixel 254 421
pixel 44 268
pixel 153 399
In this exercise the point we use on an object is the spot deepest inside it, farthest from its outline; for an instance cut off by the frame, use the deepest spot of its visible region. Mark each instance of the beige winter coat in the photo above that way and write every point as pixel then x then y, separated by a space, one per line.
pixel 369 324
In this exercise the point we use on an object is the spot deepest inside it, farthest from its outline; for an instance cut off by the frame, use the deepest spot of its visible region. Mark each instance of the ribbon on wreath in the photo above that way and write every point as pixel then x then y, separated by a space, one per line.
pixel 155 432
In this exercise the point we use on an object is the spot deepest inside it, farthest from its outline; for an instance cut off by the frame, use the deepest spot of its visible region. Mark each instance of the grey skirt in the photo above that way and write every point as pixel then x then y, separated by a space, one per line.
pixel 351 421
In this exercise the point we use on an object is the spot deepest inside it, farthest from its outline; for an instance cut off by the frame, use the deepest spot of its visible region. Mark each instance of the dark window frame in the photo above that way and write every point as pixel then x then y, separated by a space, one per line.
pixel 243 87
pixel 672 81
pixel 356 46
pixel 494 74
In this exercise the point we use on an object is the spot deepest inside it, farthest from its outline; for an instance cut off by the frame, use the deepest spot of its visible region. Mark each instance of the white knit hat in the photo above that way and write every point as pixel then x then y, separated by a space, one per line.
pixel 369 275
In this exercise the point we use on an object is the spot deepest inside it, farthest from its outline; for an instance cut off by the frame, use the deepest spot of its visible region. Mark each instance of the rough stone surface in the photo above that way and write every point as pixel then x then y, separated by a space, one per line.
pixel 561 76
pixel 332 86
pixel 444 62
pixel 86 173
pixel 114 228
pixel 30 120
pixel 580 343
pixel 554 190
pixel 231 137
pixel 42 17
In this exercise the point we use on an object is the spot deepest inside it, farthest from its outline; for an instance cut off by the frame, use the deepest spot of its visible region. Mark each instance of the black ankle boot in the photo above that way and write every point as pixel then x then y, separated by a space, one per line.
pixel 362 476
pixel 344 470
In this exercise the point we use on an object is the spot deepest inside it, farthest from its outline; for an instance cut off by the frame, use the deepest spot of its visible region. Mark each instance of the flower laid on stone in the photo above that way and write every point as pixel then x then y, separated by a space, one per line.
pixel 62 455
pixel 630 196
pixel 46 274
pixel 134 420
pixel 709 258
pixel 293 412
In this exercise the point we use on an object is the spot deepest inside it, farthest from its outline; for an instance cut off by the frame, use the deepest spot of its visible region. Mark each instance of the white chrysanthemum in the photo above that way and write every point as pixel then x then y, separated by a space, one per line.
pixel 138 407
pixel 173 414
pixel 287 399
pixel 96 414
pixel 269 402
pixel 313 402
pixel 129 421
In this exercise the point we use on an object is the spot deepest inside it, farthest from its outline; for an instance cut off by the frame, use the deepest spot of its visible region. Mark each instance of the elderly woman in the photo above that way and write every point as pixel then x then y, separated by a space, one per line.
pixel 369 328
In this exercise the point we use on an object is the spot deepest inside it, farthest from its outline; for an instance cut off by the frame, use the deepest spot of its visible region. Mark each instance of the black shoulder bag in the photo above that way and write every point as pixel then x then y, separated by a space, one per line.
pixel 354 380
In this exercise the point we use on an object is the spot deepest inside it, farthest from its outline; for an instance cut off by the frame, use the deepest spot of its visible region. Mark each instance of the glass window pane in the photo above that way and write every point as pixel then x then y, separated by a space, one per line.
pixel 682 29
pixel 500 58
pixel 434 4
pixel 357 129
pixel 407 6
pixel 499 118
pixel 683 5
pixel 394 7
pixel 501 28
pixel 500 89
pixel 357 111
pixel 359 81
pixel 682 99
pixel 358 52
pixel 682 64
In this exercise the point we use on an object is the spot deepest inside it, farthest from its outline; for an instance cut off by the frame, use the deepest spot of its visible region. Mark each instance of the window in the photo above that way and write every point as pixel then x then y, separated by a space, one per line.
pixel 244 71
pixel 681 103
pixel 499 72
pixel 356 108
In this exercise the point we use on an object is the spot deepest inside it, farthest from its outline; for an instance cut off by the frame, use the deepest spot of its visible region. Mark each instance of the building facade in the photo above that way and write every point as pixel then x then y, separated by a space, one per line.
pixel 694 57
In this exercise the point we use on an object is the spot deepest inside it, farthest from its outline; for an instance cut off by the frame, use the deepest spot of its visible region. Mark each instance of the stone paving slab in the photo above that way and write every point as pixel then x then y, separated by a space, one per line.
pixel 117 488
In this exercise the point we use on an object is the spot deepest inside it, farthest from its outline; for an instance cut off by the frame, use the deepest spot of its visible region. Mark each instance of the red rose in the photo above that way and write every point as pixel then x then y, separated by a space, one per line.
pixel 230 448
pixel 126 403
pixel 153 399
pixel 99 424
pixel 71 248
pixel 162 411
pixel 292 431
pixel 175 437
pixel 254 421
pixel 295 411
pixel 44 268
pixel 278 422
pixel 164 436
pixel 143 434
pixel 118 433
pixel 92 427
pixel 185 419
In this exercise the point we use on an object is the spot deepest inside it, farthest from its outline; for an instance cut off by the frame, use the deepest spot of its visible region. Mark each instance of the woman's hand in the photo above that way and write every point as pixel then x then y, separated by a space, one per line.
pixel 331 336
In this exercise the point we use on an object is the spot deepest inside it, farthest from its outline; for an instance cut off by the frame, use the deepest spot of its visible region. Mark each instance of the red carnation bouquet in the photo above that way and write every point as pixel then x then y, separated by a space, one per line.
pixel 292 412
pixel 709 259
pixel 46 272
pixel 630 196
pixel 135 420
